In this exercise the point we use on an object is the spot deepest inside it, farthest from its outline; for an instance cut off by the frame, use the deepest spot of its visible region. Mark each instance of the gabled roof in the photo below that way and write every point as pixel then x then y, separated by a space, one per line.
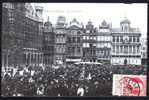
pixel 74 24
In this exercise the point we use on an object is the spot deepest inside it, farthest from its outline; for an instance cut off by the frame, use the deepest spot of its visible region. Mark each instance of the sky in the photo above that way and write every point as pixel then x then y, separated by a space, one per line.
pixel 97 12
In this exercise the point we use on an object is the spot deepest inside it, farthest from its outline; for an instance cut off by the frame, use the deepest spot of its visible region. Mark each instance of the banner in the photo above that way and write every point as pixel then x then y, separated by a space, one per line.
pixel 129 85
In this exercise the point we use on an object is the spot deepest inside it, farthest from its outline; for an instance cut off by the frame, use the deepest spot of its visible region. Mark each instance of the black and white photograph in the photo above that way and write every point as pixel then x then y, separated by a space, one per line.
pixel 73 49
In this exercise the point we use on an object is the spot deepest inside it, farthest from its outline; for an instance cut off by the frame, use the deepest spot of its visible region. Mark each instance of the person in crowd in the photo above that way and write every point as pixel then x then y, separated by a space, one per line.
pixel 80 91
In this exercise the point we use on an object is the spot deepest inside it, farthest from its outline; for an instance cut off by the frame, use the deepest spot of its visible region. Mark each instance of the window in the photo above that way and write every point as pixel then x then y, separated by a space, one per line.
pixel 68 39
pixel 130 49
pixel 94 38
pixel 73 39
pixel 113 39
pixel 121 49
pixel 91 45
pixel 134 40
pixel 130 39
pixel 113 49
pixel 125 49
pixel 117 39
pixel 137 39
pixel 121 39
pixel 79 39
pixel 117 49
pixel 91 37
pixel 134 49
pixel 78 49
pixel 126 28
pixel 137 49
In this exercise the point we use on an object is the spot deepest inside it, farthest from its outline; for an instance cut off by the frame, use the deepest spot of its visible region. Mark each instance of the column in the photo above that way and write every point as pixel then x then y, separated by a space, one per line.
pixel 26 54
pixel 128 49
pixel 136 49
pixel 30 58
pixel 7 59
pixel 119 38
pixel 115 49
pixel 123 50
pixel 115 39
pixel 132 49
pixel 37 59
pixel 34 61
pixel 119 49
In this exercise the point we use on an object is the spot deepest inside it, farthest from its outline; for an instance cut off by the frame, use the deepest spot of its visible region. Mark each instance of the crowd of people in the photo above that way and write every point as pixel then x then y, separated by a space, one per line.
pixel 68 80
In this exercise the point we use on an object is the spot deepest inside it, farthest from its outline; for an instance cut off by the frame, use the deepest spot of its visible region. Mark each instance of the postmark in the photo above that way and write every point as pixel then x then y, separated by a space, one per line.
pixel 129 85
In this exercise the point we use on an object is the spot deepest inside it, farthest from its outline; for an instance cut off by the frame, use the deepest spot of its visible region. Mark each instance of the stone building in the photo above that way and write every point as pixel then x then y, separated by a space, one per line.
pixel 126 44
pixel 89 43
pixel 48 43
pixel 13 15
pixel 60 40
pixel 103 51
pixel 21 34
pixel 74 41
pixel 33 35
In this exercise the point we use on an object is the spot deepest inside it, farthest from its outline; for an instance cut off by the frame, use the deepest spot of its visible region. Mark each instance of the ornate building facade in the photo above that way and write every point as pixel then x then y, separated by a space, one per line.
pixel 13 15
pixel 48 43
pixel 26 41
pixel 33 35
pixel 21 34
pixel 126 44
pixel 74 41
pixel 60 40
pixel 89 43
pixel 103 51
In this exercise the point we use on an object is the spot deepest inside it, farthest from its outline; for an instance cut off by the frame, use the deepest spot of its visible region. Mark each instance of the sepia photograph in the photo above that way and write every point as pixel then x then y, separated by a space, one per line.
pixel 73 49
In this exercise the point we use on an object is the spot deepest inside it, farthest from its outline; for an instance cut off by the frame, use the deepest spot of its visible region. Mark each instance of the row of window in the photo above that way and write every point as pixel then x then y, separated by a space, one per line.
pixel 60 31
pixel 126 49
pixel 60 49
pixel 89 45
pixel 102 53
pixel 103 38
pixel 89 37
pixel 130 39
pixel 73 39
pixel 60 39
pixel 102 45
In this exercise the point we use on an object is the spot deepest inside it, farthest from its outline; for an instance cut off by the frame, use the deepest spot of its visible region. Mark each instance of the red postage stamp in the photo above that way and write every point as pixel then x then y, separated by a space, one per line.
pixel 129 85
